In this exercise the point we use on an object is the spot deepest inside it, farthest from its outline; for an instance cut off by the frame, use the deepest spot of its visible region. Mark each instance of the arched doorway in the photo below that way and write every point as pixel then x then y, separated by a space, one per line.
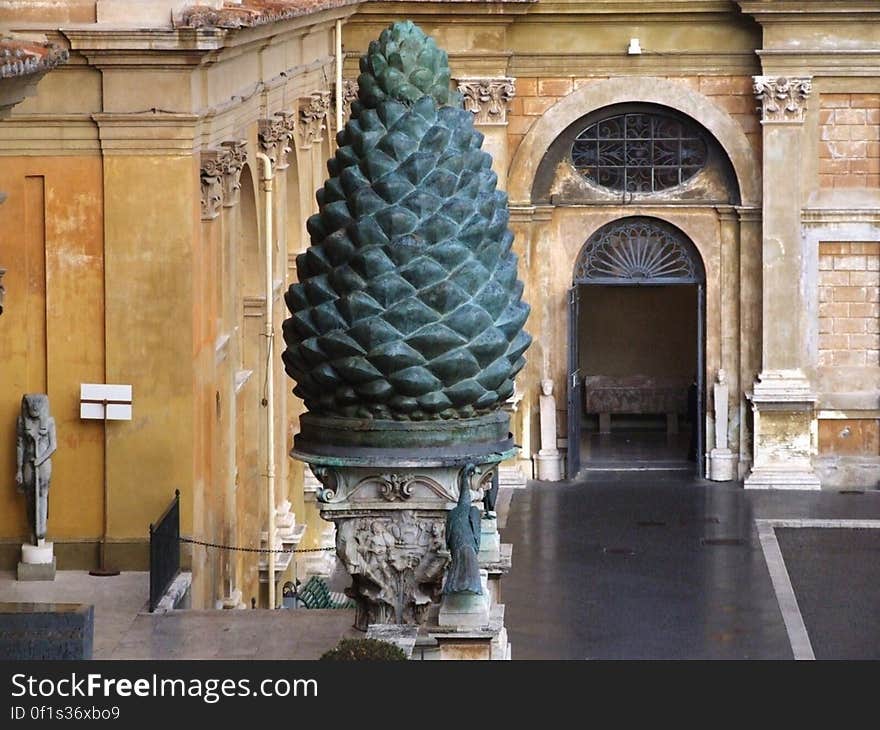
pixel 636 337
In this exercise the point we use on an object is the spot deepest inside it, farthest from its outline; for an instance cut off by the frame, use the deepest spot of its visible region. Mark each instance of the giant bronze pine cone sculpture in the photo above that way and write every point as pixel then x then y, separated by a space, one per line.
pixel 408 305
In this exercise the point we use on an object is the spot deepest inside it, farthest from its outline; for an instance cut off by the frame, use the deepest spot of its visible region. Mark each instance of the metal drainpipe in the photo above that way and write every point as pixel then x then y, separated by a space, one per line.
pixel 339 60
pixel 266 181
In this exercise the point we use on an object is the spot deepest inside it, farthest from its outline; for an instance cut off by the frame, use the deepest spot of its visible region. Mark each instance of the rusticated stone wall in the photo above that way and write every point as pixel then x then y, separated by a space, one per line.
pixel 849 304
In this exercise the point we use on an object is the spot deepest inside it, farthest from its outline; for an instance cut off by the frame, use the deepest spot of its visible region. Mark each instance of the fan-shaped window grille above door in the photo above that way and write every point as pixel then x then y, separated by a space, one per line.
pixel 638 251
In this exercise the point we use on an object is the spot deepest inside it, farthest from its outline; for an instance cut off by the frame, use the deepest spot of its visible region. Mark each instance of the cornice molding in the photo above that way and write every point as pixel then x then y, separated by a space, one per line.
pixel 150 133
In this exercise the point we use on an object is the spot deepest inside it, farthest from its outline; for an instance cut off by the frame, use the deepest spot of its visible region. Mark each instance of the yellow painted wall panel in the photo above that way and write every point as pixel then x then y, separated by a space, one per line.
pixel 51 331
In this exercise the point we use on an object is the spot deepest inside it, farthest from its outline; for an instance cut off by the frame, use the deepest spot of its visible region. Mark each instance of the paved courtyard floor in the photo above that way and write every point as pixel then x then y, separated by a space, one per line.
pixel 125 630
pixel 660 565
pixel 622 565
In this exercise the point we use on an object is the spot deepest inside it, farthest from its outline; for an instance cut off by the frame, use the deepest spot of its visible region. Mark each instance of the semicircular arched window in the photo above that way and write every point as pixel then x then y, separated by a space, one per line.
pixel 639 152
pixel 638 250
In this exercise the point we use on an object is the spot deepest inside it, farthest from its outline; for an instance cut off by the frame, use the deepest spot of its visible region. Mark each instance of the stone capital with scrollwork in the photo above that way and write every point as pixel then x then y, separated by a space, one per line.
pixel 220 175
pixel 349 94
pixel 275 135
pixel 313 111
pixel 487 98
pixel 783 98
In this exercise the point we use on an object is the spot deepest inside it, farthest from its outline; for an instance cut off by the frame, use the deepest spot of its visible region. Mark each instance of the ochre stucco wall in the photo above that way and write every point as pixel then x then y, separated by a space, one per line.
pixel 52 330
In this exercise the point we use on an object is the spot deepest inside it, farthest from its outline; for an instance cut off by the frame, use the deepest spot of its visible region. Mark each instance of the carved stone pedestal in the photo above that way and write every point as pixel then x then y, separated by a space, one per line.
pixel 784 411
pixel 389 506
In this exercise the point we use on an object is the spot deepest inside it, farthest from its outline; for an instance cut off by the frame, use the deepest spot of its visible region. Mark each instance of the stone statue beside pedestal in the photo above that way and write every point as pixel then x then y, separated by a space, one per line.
pixel 722 462
pixel 548 460
pixel 463 539
pixel 36 441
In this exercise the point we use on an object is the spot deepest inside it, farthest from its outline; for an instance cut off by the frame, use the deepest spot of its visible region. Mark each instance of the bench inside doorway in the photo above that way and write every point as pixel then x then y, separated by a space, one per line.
pixel 608 395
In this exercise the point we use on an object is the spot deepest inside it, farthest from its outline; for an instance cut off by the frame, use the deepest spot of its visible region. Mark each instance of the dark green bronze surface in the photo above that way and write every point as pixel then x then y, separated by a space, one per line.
pixel 408 306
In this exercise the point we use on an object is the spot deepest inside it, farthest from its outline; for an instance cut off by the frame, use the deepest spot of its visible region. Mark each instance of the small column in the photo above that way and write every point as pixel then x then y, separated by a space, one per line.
pixel 722 462
pixel 548 461
pixel 488 98
pixel 782 400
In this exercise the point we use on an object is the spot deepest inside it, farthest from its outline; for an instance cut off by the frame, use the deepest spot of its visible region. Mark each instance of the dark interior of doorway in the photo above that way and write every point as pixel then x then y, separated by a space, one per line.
pixel 642 340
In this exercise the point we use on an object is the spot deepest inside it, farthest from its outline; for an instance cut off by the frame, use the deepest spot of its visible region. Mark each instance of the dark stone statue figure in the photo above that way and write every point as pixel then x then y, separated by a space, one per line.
pixel 36 442
pixel 463 540
pixel 490 496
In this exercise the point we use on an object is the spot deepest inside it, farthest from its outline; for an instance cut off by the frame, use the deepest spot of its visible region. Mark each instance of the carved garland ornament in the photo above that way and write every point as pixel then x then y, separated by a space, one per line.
pixel 783 99
pixel 313 110
pixel 220 176
pixel 392 487
pixel 487 98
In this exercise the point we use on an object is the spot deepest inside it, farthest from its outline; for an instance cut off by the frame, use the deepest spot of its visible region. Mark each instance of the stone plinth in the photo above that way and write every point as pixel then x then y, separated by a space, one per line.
pixel 46 630
pixel 389 504
pixel 473 643
pixel 784 413
pixel 723 465
pixel 490 541
pixel 548 467
pixel 403 637
pixel 37 561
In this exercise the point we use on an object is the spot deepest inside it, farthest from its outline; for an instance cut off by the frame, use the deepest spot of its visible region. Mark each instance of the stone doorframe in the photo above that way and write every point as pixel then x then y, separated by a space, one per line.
pixel 733 288
pixel 689 270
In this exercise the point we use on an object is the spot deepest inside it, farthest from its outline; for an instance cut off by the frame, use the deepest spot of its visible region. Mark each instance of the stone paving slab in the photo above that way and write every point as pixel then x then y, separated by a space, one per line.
pixel 835 574
pixel 125 630
pixel 117 599
pixel 651 566
pixel 245 634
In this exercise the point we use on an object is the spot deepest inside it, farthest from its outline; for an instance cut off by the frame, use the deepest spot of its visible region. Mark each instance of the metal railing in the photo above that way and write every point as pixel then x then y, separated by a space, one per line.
pixel 164 551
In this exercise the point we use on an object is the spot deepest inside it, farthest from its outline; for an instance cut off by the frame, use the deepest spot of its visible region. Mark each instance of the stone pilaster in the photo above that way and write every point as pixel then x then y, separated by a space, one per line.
pixel 782 399
pixel 488 99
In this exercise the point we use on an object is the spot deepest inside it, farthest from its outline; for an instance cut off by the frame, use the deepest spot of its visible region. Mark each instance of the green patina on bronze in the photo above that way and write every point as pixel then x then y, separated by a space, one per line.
pixel 408 306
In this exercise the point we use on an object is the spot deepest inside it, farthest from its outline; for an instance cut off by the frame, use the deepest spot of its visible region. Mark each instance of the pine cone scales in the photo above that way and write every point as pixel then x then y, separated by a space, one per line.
pixel 408 305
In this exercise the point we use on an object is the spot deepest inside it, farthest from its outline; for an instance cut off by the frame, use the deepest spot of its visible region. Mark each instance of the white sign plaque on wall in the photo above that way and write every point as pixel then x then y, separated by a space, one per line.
pixel 105 402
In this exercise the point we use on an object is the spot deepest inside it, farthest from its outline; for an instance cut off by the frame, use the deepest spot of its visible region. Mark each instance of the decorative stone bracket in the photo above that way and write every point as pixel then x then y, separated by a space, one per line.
pixel 313 110
pixel 487 98
pixel 220 176
pixel 275 135
pixel 783 99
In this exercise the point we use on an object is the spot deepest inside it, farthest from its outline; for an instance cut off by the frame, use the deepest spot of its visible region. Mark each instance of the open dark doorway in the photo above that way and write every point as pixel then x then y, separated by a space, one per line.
pixel 636 350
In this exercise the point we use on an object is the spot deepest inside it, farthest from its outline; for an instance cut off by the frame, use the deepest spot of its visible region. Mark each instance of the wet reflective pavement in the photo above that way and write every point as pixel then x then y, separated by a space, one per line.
pixel 659 565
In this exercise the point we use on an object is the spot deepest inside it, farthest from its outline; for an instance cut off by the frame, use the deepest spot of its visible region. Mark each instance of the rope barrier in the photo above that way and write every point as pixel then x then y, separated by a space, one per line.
pixel 237 548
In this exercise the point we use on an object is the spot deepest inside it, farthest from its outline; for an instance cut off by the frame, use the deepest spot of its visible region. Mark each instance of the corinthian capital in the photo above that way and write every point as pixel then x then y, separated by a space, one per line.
pixel 220 175
pixel 349 94
pixel 275 135
pixel 487 98
pixel 313 110
pixel 783 98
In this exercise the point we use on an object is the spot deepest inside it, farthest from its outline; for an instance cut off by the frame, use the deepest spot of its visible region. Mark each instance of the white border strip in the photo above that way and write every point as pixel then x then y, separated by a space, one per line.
pixel 785 596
